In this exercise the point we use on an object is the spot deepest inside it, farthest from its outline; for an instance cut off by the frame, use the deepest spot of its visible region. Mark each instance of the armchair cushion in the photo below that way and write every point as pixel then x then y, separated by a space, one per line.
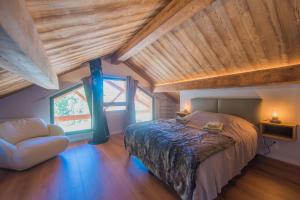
pixel 19 130
pixel 36 150
pixel 55 130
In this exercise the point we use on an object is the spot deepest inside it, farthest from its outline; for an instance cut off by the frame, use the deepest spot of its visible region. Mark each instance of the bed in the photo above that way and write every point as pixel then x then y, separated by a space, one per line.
pixel 197 163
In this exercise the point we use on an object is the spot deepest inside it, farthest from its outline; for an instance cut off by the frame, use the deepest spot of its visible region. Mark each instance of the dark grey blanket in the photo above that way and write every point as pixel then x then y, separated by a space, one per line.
pixel 173 151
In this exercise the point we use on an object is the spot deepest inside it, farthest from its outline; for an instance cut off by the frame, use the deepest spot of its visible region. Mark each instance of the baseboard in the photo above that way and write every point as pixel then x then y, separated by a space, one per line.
pixel 85 136
pixel 117 132
pixel 79 137
pixel 283 159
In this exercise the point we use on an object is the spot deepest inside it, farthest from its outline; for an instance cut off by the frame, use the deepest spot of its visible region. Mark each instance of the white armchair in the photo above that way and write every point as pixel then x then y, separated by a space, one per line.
pixel 28 142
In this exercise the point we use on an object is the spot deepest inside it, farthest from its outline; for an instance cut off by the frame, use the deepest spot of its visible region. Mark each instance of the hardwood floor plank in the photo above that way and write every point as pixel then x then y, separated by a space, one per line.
pixel 106 172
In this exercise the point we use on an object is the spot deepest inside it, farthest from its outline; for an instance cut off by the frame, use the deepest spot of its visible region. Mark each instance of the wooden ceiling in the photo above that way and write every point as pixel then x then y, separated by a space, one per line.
pixel 229 36
pixel 11 82
pixel 74 32
pixel 209 38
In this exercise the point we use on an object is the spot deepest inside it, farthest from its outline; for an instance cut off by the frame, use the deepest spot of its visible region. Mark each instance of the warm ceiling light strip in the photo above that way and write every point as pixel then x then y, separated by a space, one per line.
pixel 287 74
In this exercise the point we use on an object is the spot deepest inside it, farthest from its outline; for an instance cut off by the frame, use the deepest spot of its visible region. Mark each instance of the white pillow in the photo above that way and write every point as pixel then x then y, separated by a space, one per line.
pixel 18 130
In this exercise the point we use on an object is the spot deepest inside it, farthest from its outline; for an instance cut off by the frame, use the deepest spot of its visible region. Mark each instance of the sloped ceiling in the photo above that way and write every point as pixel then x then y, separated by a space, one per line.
pixel 227 37
pixel 73 32
pixel 230 36
pixel 11 82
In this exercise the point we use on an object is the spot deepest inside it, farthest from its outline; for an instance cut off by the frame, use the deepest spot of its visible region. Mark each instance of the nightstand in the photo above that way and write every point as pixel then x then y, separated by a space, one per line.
pixel 282 131
pixel 182 114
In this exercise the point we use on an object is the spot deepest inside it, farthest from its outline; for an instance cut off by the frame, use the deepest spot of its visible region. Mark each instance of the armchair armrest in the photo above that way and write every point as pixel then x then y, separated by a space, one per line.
pixel 55 130
pixel 6 153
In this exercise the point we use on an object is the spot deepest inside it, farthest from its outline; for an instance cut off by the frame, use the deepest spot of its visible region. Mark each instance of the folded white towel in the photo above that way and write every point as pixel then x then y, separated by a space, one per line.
pixel 213 126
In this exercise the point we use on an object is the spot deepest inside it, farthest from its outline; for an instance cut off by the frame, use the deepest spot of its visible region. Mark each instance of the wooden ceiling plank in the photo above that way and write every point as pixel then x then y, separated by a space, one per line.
pixel 87 48
pixel 148 67
pixel 23 47
pixel 142 63
pixel 150 73
pixel 179 42
pixel 192 30
pixel 290 28
pixel 167 53
pixel 159 55
pixel 72 42
pixel 246 31
pixel 182 49
pixel 90 41
pixel 207 28
pixel 156 66
pixel 176 12
pixel 223 26
pixel 89 13
pixel 193 50
pixel 82 30
pixel 265 29
pixel 177 56
pixel 58 7
pixel 274 20
pixel 52 45
pixel 140 72
pixel 153 66
pixel 281 75
pixel 158 61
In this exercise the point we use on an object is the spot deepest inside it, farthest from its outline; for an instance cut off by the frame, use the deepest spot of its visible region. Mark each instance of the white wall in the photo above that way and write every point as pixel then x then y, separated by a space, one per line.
pixel 34 101
pixel 284 98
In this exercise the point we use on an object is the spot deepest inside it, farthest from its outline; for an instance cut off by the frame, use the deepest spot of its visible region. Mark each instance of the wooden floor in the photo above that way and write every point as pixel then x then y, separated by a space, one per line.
pixel 88 172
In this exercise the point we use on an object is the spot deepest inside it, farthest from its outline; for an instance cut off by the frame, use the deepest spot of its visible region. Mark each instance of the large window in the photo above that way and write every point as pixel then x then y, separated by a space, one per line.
pixel 143 106
pixel 70 110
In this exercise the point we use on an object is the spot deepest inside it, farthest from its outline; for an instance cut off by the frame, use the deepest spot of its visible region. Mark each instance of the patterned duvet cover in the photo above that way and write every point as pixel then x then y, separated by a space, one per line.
pixel 173 151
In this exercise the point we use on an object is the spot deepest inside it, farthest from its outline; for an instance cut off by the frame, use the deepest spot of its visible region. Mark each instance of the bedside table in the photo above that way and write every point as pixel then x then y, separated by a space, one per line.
pixel 182 114
pixel 282 131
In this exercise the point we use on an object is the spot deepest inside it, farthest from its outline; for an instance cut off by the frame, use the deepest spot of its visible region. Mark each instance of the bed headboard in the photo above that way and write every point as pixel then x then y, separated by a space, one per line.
pixel 248 109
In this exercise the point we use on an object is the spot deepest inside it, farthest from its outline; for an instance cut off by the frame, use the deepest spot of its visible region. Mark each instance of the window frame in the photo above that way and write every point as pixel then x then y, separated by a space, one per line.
pixel 76 86
pixel 153 100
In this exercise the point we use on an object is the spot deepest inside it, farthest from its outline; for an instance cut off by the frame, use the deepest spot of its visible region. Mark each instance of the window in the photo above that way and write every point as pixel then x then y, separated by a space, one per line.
pixel 70 110
pixel 143 106
pixel 114 94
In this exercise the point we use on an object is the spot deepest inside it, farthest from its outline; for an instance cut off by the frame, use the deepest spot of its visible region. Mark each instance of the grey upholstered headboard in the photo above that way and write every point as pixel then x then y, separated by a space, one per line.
pixel 248 109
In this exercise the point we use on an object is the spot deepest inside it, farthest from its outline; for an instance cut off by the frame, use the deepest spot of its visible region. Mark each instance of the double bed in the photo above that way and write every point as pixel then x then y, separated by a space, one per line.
pixel 197 163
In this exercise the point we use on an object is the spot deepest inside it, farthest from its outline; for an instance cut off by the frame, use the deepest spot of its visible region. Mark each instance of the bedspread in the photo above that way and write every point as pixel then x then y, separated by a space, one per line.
pixel 173 151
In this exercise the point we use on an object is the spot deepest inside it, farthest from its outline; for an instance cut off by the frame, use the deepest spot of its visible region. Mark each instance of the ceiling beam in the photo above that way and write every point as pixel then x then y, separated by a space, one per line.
pixel 140 72
pixel 21 48
pixel 176 12
pixel 287 74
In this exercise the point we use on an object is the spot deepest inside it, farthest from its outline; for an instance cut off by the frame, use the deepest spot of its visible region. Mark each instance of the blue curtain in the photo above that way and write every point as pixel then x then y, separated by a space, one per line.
pixel 130 110
pixel 93 87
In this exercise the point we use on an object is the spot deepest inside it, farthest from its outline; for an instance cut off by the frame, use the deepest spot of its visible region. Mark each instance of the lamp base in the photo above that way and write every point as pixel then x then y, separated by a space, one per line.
pixel 275 121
